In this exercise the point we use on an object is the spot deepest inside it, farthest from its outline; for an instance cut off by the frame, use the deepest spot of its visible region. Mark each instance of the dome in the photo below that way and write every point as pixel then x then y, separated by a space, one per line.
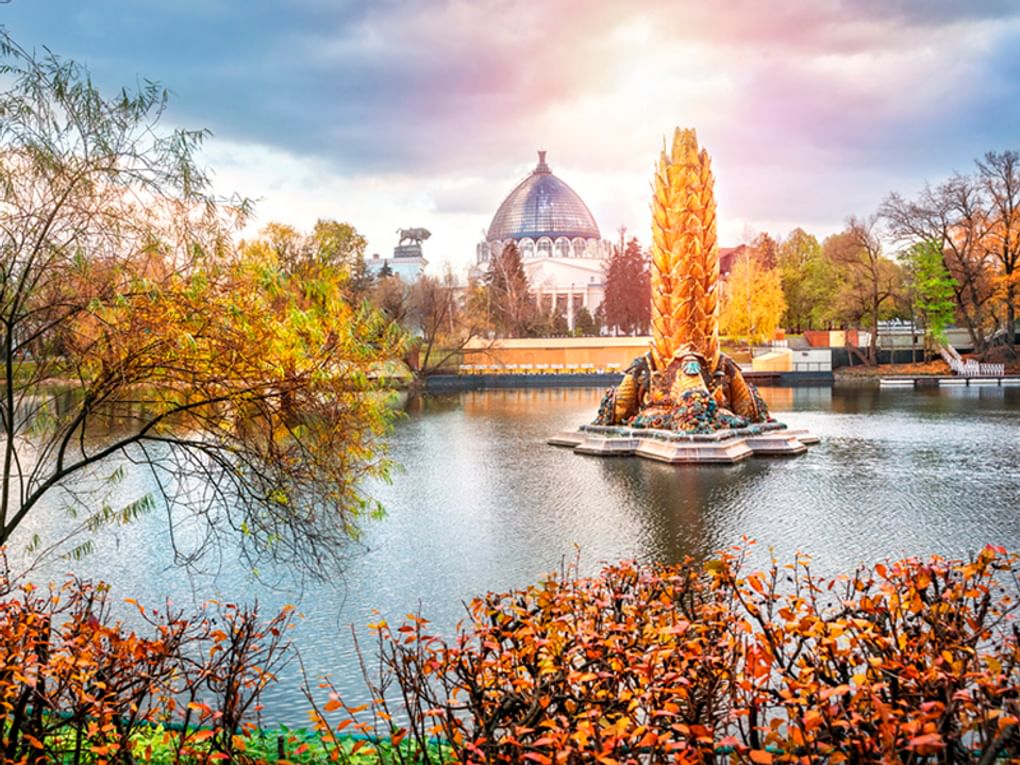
pixel 542 206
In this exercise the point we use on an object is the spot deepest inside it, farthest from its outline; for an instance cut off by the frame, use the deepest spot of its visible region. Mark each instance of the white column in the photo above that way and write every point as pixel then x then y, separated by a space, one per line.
pixel 570 308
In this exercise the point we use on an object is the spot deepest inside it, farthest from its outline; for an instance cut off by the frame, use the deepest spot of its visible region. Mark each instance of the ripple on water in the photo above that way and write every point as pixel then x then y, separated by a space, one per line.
pixel 483 504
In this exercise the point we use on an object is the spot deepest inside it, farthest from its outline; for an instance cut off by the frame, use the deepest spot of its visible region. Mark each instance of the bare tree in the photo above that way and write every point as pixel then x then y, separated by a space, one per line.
pixel 953 216
pixel 999 176
pixel 393 297
pixel 446 317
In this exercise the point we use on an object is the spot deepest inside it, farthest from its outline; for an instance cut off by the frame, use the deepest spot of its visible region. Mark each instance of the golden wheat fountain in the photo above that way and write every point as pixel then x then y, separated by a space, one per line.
pixel 684 400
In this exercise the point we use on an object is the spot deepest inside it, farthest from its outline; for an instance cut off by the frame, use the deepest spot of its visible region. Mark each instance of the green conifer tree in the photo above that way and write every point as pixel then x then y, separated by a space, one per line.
pixel 511 308
pixel 932 288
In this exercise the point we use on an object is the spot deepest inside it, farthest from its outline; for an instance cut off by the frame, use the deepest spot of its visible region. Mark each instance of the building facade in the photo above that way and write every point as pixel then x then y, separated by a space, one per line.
pixel 559 241
pixel 407 262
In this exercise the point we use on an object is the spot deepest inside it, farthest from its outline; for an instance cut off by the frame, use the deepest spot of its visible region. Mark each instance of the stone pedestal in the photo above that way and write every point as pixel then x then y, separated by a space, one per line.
pixel 722 447
pixel 407 251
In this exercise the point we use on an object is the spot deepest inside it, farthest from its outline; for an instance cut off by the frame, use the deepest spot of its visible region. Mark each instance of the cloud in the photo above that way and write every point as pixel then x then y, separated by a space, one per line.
pixel 429 87
pixel 464 195
pixel 812 109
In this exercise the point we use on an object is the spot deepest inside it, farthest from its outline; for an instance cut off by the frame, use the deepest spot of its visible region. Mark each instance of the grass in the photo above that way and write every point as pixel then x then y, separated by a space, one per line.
pixel 157 744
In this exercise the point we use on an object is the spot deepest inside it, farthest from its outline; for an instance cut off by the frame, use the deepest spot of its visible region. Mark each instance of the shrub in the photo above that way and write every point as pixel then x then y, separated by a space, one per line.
pixel 78 686
pixel 913 661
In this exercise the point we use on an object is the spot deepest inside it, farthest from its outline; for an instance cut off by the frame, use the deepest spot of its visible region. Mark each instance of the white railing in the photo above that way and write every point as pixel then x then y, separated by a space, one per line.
pixel 972 368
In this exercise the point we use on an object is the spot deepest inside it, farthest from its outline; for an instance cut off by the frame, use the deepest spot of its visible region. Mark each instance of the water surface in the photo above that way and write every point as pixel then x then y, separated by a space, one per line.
pixel 483 503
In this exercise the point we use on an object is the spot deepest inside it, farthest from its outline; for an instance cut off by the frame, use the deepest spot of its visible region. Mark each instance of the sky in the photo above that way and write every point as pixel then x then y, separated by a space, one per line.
pixel 398 113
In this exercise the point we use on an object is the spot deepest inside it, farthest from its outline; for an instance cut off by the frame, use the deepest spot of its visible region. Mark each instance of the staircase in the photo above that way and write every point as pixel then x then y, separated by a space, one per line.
pixel 970 367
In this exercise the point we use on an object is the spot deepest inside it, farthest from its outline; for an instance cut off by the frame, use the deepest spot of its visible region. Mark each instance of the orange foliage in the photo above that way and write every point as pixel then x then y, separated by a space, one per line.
pixel 913 661
pixel 75 684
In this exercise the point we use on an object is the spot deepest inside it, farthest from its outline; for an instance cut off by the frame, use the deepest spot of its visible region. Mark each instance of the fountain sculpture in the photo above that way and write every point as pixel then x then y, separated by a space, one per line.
pixel 684 400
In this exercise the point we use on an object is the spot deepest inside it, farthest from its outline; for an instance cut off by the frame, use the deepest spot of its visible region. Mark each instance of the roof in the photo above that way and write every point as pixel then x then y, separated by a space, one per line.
pixel 542 205
pixel 728 257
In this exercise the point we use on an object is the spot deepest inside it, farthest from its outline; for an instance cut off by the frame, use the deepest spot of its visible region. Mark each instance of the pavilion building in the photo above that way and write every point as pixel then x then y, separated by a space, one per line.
pixel 559 241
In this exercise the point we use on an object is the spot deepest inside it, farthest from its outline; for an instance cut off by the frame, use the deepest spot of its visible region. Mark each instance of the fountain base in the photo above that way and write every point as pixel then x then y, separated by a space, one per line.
pixel 721 447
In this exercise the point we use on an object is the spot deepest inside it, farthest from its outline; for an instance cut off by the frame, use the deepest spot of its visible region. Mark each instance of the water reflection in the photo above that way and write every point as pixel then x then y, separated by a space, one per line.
pixel 482 503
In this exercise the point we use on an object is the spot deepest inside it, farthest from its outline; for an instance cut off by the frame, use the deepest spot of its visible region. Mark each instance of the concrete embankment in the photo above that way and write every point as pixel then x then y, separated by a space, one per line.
pixel 450 383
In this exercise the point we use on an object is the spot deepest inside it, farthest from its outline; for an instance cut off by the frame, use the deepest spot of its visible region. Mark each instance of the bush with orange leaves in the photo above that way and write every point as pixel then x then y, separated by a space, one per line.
pixel 77 686
pixel 913 661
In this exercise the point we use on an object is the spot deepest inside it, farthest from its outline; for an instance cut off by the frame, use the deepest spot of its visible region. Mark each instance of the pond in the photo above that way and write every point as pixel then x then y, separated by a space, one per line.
pixel 483 503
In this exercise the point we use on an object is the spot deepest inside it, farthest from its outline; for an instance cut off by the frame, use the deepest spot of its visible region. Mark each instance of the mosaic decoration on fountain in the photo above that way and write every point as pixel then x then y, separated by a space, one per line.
pixel 684 383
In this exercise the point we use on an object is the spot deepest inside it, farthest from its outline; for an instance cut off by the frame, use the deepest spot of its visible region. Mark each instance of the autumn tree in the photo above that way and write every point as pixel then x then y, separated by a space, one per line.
pixel 511 308
pixel 752 301
pixel 627 304
pixel 285 243
pixel 135 336
pixel 336 244
pixel 807 283
pixel 999 178
pixel 869 283
pixel 330 244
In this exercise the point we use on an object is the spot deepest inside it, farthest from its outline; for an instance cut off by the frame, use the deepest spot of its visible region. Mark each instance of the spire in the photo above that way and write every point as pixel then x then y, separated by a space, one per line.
pixel 542 167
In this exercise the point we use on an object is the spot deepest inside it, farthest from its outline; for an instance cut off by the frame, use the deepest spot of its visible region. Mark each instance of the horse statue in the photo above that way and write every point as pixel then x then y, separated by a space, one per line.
pixel 413 235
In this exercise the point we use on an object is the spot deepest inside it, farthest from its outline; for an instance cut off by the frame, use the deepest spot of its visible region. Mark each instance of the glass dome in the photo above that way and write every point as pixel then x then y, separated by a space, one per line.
pixel 542 206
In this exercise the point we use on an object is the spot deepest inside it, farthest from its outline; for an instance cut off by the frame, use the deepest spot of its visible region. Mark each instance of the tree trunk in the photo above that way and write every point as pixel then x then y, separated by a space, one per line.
pixel 1011 318
pixel 972 329
pixel 873 340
